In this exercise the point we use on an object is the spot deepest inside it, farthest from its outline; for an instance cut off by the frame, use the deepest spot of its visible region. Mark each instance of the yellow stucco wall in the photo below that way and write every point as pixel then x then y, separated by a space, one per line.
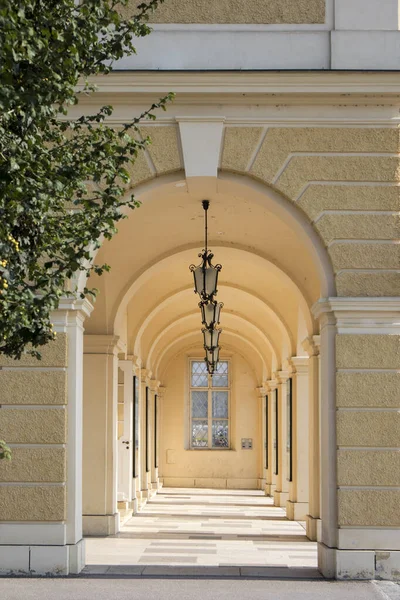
pixel 235 468
pixel 237 11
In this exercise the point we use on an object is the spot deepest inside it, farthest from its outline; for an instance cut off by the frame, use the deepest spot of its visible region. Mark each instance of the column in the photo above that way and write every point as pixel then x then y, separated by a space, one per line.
pixel 360 425
pixel 261 394
pixel 144 412
pixel 271 388
pixel 136 441
pixel 160 399
pixel 125 433
pixel 312 346
pixel 41 419
pixel 100 450
pixel 281 494
pixel 154 387
pixel 297 505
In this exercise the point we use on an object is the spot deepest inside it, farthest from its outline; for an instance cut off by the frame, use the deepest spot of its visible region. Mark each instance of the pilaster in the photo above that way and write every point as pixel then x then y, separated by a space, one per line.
pixel 281 494
pixel 271 387
pixel 297 505
pixel 144 450
pixel 100 449
pixel 311 345
pixel 359 434
pixel 261 394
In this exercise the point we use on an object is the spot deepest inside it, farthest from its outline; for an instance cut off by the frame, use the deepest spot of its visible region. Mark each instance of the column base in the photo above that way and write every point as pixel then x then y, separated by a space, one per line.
pixel 280 498
pixel 270 489
pixel 101 525
pixel 296 511
pixel 50 561
pixel 358 564
pixel 313 528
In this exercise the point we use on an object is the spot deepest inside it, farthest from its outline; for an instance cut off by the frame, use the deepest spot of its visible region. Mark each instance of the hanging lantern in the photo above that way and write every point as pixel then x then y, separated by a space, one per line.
pixel 211 338
pixel 205 275
pixel 210 313
pixel 212 358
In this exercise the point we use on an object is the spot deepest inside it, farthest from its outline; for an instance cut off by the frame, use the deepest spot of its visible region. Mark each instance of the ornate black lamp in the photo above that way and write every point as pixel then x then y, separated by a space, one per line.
pixel 210 313
pixel 206 274
pixel 211 338
pixel 205 284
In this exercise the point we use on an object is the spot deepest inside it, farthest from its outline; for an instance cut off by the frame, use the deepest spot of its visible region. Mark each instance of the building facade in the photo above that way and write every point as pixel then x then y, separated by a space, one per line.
pixel 287 119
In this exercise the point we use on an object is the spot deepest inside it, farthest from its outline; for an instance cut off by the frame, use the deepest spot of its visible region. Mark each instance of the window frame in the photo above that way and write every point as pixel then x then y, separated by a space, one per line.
pixel 210 418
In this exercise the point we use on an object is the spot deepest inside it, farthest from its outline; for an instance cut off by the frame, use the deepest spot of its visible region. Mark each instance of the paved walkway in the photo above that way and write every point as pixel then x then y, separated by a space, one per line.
pixel 198 532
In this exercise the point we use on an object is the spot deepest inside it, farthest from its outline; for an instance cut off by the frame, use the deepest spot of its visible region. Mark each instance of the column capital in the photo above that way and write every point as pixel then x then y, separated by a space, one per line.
pixel 262 391
pixel 71 310
pixel 136 361
pixel 161 392
pixel 271 384
pixel 154 385
pixel 359 315
pixel 282 376
pixel 312 345
pixel 299 364
pixel 145 376
pixel 101 344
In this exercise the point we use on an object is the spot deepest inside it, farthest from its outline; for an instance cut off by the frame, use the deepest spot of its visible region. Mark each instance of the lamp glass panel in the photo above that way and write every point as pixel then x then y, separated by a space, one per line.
pixel 199 280
pixel 211 281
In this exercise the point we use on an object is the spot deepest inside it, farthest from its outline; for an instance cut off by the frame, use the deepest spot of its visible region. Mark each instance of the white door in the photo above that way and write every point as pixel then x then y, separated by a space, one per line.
pixel 125 430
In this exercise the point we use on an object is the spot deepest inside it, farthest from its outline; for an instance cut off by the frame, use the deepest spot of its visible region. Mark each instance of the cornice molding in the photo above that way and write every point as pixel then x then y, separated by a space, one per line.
pixel 360 315
pixel 249 82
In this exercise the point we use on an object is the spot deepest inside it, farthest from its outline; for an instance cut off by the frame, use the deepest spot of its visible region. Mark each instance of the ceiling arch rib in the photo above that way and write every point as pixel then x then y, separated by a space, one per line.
pixel 263 317
pixel 241 268
pixel 235 324
pixel 233 344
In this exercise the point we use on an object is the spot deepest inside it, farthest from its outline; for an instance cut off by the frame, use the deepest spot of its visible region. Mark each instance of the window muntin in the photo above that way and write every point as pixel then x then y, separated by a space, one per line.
pixel 209 406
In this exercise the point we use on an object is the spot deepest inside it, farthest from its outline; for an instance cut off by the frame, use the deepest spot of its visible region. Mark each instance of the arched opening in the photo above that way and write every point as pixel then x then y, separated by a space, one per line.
pixel 160 421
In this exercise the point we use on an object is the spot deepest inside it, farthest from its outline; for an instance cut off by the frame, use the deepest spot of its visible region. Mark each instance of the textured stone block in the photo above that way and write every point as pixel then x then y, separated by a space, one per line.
pixel 33 387
pixel 372 285
pixel 280 142
pixel 368 390
pixel 318 198
pixel 368 429
pixel 54 354
pixel 302 169
pixel 365 256
pixel 31 426
pixel 34 464
pixel 164 150
pixel 358 227
pixel 368 468
pixel 369 508
pixel 367 351
pixel 237 11
pixel 32 503
pixel 239 145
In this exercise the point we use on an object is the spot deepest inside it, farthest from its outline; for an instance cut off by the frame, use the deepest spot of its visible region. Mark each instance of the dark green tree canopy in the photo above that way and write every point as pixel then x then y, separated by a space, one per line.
pixel 62 182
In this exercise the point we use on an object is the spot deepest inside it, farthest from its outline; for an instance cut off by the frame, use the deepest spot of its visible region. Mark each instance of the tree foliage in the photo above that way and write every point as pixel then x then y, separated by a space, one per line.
pixel 62 182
